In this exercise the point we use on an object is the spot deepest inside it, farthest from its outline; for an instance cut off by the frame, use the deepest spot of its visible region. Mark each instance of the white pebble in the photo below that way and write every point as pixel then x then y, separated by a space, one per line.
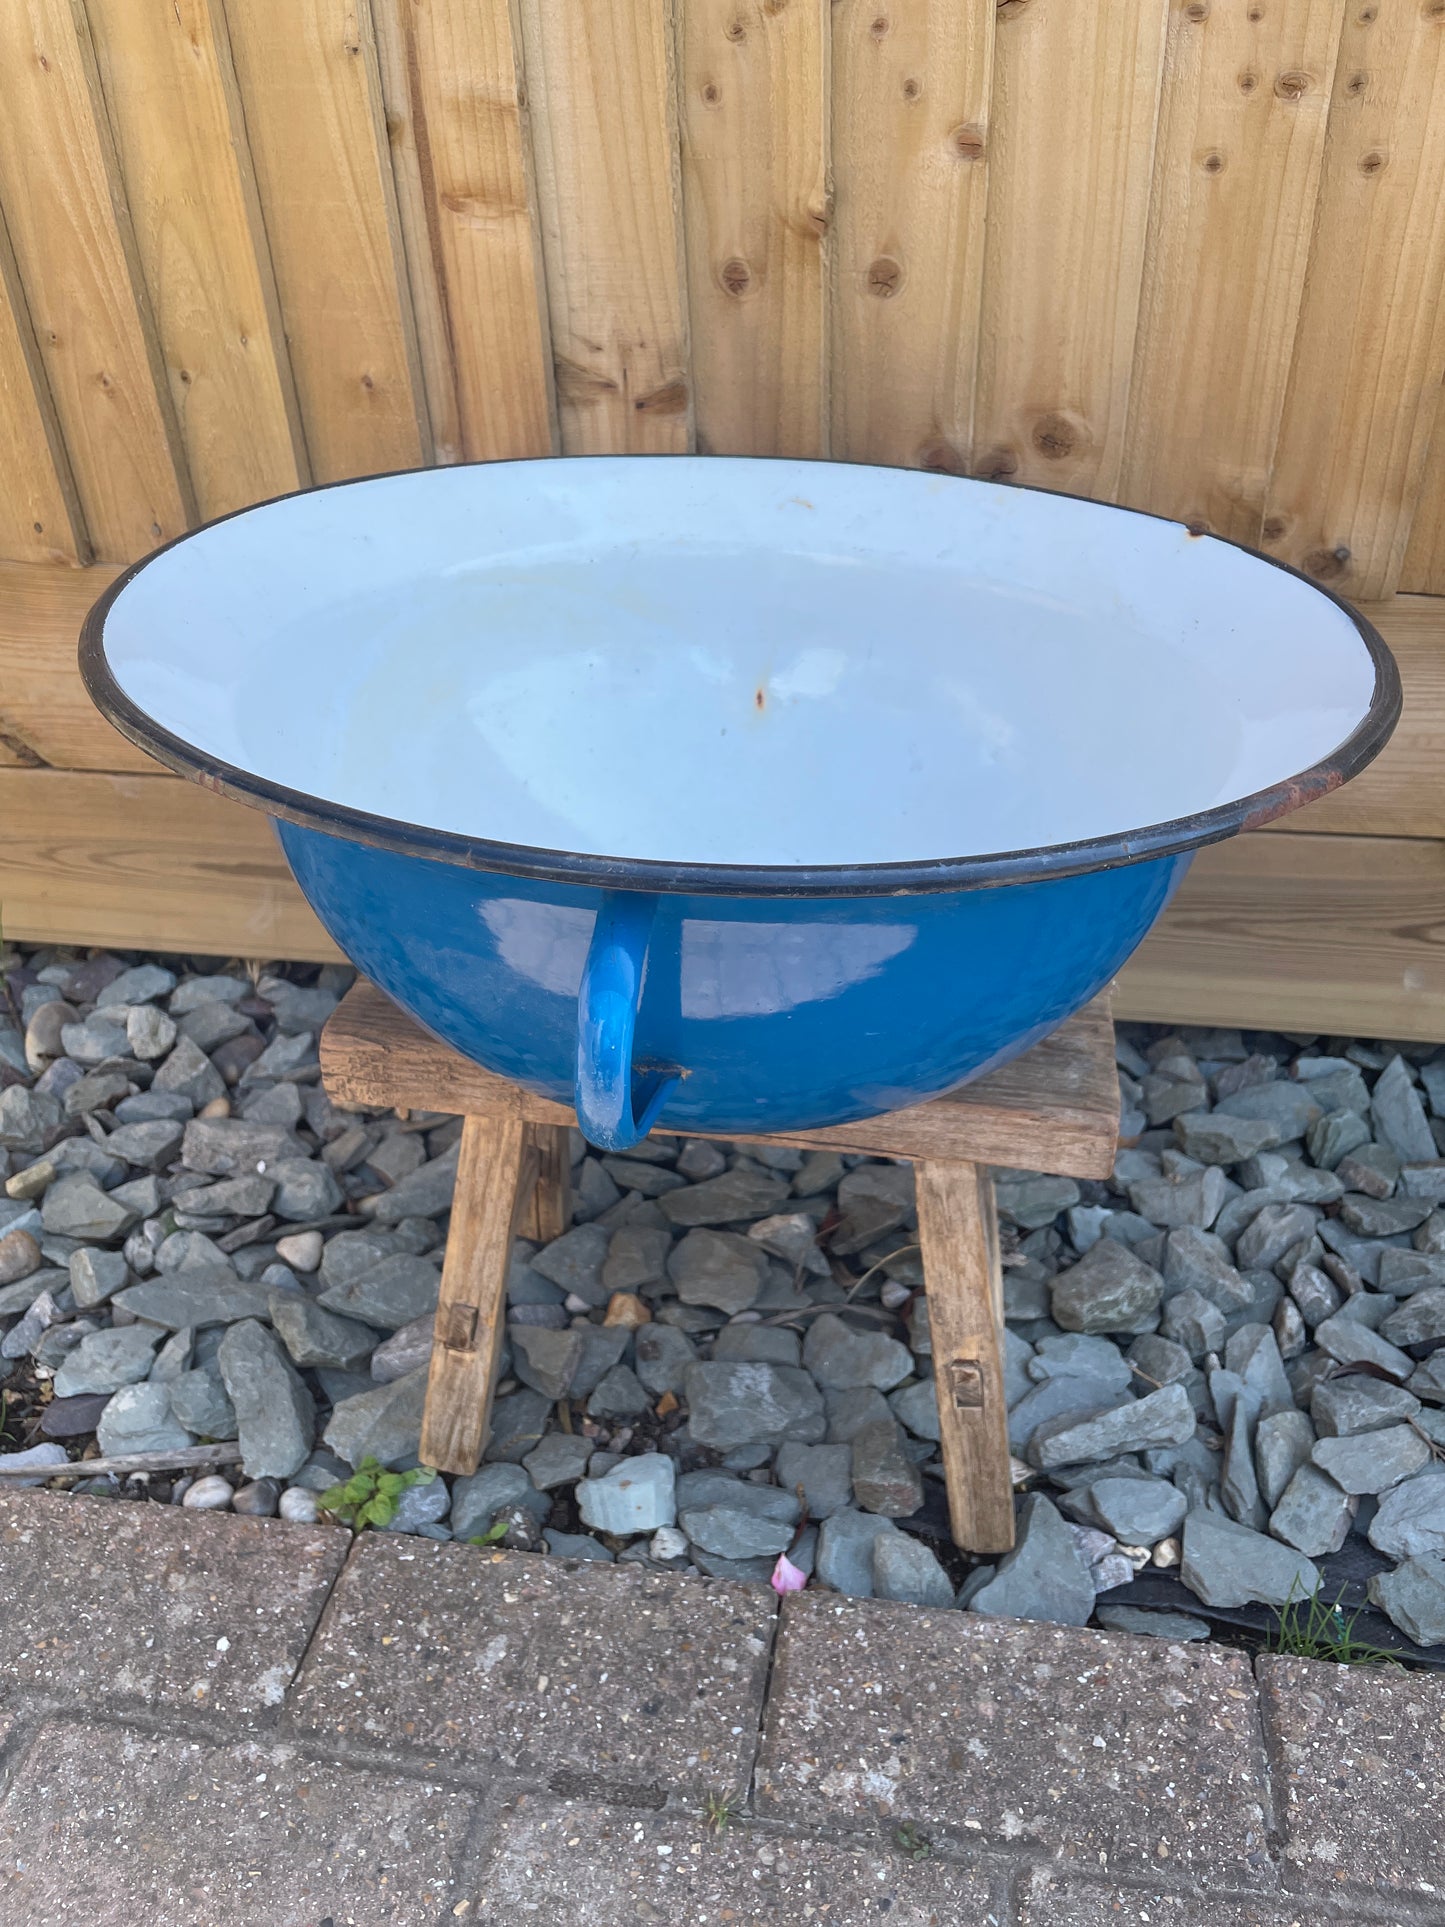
pixel 299 1506
pixel 302 1250
pixel 574 1304
pixel 1166 1553
pixel 209 1495
pixel 894 1293
pixel 667 1543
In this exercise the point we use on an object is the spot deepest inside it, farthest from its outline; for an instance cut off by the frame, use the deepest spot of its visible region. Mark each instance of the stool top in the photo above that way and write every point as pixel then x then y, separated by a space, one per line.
pixel 1056 1108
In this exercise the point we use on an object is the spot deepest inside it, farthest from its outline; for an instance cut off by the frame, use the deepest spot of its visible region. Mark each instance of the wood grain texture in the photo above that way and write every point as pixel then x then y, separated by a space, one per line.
pixel 146 862
pixel 40 515
pixel 1370 348
pixel 600 89
pixel 548 1212
pixel 171 96
pixel 453 103
pixel 1075 97
pixel 42 699
pixel 1056 1108
pixel 1423 570
pixel 309 81
pixel 912 160
pixel 754 125
pixel 958 1235
pixel 1236 173
pixel 75 249
pixel 1333 933
pixel 494 1173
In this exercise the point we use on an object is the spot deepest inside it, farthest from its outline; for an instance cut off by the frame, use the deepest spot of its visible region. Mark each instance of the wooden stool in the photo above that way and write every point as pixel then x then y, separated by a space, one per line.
pixel 1055 1109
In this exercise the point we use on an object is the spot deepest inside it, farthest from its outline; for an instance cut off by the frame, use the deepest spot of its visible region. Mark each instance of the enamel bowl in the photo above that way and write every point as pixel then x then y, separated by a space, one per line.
pixel 727 794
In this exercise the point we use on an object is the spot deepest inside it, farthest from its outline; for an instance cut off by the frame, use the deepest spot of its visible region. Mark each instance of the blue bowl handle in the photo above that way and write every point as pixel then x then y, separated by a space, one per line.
pixel 615 1108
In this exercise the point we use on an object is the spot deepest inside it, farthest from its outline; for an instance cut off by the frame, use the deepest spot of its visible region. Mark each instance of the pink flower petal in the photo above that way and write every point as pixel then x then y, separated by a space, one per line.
pixel 786 1576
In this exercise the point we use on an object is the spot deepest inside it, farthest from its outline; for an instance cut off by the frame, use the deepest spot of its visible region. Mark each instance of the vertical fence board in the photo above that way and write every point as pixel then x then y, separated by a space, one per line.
pixel 75 252
pixel 454 108
pixel 170 93
pixel 599 86
pixel 312 93
pixel 1236 174
pixel 1075 96
pixel 754 96
pixel 40 518
pixel 911 161
pixel 1423 570
pixel 1367 361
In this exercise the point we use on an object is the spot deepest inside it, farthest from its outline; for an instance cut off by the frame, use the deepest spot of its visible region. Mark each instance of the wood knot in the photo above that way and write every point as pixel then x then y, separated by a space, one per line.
pixel 878 26
pixel 967 142
pixel 1195 529
pixel 1433 10
pixel 1327 564
pixel 1374 162
pixel 1292 84
pixel 1367 16
pixel 912 89
pixel 884 277
pixel 1054 437
pixel 1212 162
pixel 735 277
pixel 941 458
pixel 735 30
pixel 999 465
pixel 670 399
pixel 1197 11
pixel 1356 85
pixel 711 94
pixel 773 7
pixel 1248 81
pixel 1007 9
pixel 1274 529
pixel 1255 14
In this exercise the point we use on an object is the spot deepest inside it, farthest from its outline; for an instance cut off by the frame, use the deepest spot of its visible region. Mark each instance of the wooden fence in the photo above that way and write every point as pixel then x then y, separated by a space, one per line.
pixel 1186 254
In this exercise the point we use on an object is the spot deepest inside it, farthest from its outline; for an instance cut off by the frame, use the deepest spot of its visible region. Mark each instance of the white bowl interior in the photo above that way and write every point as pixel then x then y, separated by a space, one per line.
pixel 734 661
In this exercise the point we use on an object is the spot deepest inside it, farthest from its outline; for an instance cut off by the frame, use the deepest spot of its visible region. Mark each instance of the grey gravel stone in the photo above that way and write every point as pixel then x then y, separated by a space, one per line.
pixel 384 1424
pixel 717 1268
pixel 1138 1511
pixel 1196 1260
pixel 1044 1577
pixel 546 1360
pixel 885 1478
pixel 76 1207
pixel 1409 1521
pixel 619 1393
pixel 576 1545
pixel 518 1422
pixel 845 1550
pixel 636 1256
pixel 904 1569
pixel 1343 1407
pixel 726 1199
pixel 603 1346
pixel 152 1146
pixel 390 1294
pixel 1372 1461
pixel 839 1357
pixel 1077 1355
pixel 47 1454
pixel 559 1458
pixel 1226 1564
pixel 1313 1514
pixel 735 1532
pixel 663 1355
pixel 733 1405
pixel 1194 1323
pixel 1290 1107
pixel 1413 1596
pixel 96 1275
pixel 1151 1624
pixel 423 1193
pixel 477 1501
pixel 634 1497
pixel 1184 1198
pixel 1351 1343
pixel 1109 1289
pixel 1398 1115
pixel 1165 1417
pixel 199 1401
pixel 1282 1444
pixel 105 1360
pixel 210 1295
pixel 824 1472
pixel 275 1412
pixel 916 1406
pixel 1419 1321
pixel 1218 1138
pixel 575 1262
pixel 138 1418
pixel 314 1336
pixel 28 1118
pixel 758 1345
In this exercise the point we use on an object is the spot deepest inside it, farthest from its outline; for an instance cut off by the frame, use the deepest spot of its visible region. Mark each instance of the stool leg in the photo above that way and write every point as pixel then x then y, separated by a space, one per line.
pixel 495 1173
pixel 958 1232
pixel 550 1211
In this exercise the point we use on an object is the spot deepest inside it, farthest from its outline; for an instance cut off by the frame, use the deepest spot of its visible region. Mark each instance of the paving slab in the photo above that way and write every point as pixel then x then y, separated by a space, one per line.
pixel 1360 1774
pixel 118 1605
pixel 565 1863
pixel 540 1666
pixel 1118 1752
pixel 1059 1900
pixel 104 1825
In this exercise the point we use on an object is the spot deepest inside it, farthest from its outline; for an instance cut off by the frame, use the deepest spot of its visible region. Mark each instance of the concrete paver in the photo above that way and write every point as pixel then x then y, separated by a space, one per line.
pixel 106 1827
pixel 505 1660
pixel 1115 1751
pixel 1047 1899
pixel 126 1606
pixel 1361 1774
pixel 561 1864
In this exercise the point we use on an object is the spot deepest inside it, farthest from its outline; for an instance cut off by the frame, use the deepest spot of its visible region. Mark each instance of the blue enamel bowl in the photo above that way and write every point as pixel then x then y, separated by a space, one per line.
pixel 735 795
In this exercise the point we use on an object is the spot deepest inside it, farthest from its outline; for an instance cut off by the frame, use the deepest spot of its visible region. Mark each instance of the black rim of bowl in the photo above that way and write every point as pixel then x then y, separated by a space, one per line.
pixel 1173 838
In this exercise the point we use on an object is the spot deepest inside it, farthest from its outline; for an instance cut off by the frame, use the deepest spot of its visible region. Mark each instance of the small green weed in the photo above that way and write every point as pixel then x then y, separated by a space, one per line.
pixel 494 1534
pixel 908 1839
pixel 719 1810
pixel 1309 1629
pixel 372 1494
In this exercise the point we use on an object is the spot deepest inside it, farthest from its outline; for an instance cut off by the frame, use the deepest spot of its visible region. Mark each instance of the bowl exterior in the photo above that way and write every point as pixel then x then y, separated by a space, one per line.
pixel 781 1013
